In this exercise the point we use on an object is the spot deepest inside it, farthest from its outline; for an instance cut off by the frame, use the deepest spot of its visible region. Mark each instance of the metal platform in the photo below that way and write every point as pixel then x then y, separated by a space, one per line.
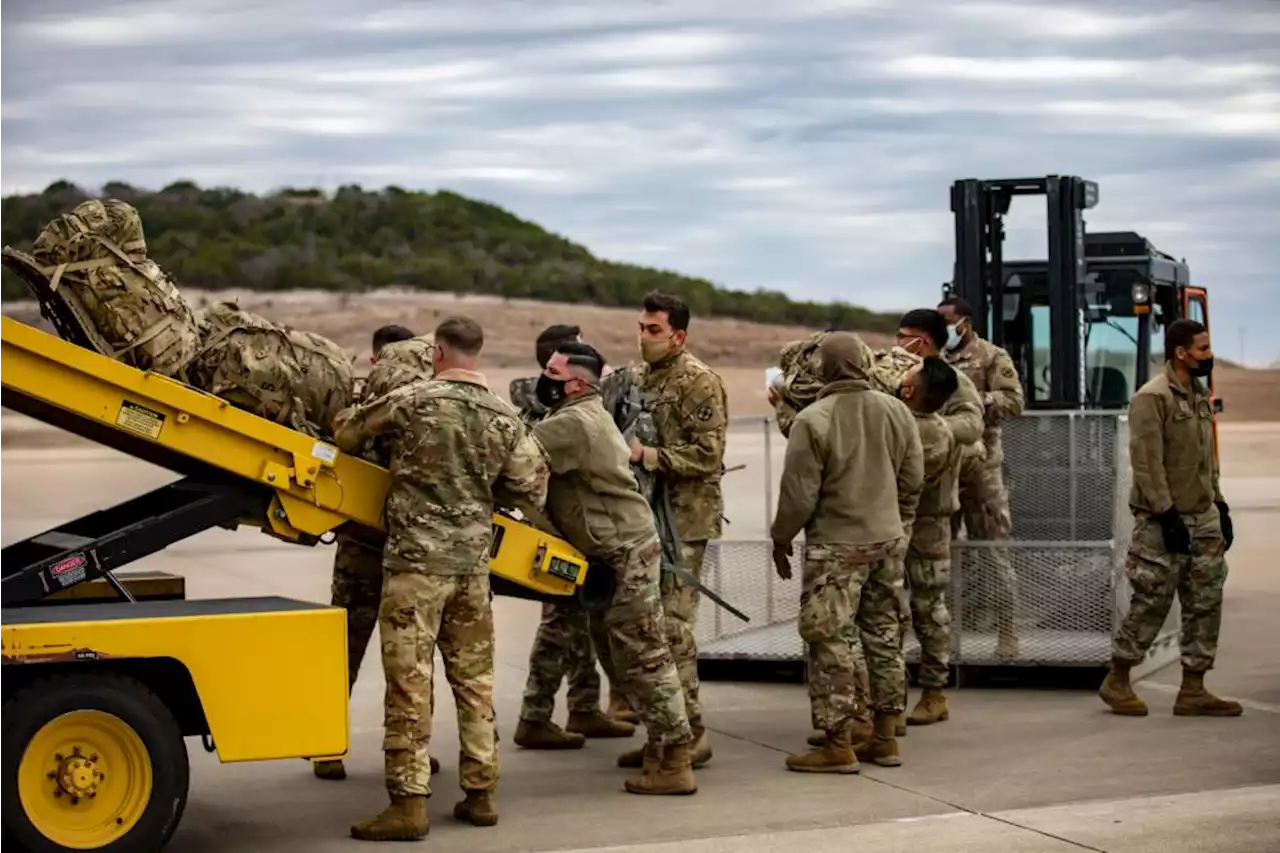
pixel 1060 577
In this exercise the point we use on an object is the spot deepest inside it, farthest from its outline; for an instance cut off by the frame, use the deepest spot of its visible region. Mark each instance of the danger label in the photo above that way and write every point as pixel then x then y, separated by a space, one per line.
pixel 140 420
pixel 70 571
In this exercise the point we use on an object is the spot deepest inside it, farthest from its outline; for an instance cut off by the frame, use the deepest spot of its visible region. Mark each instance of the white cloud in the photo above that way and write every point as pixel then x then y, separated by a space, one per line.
pixel 807 146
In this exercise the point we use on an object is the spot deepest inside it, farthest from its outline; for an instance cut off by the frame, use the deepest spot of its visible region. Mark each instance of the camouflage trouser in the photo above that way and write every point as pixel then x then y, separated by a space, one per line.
pixel 928 576
pixel 842 588
pixel 984 511
pixel 420 612
pixel 562 646
pixel 636 633
pixel 1157 576
pixel 680 609
pixel 357 587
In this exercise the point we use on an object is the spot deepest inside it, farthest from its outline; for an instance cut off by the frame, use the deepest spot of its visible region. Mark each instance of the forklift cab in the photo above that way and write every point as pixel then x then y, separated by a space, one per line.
pixel 1085 326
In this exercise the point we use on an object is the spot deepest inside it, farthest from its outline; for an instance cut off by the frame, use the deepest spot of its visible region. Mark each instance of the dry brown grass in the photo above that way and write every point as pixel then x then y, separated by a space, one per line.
pixel 739 350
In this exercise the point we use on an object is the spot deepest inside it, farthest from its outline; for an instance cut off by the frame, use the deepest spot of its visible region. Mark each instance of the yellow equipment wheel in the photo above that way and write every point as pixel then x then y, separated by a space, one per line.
pixel 91 762
pixel 85 779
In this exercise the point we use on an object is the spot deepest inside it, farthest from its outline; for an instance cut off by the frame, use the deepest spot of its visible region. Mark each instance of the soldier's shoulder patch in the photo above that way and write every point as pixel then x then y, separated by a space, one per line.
pixel 705 413
pixel 1008 372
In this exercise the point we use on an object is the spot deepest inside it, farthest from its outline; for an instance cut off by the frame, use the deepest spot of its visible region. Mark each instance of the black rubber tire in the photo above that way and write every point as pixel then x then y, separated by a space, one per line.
pixel 130 700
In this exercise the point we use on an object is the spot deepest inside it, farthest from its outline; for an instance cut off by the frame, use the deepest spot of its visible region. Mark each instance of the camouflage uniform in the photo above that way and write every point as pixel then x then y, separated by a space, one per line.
pixel 454 446
pixel 1172 455
pixel 357 565
pixel 984 500
pixel 853 571
pixel 689 407
pixel 928 564
pixel 562 646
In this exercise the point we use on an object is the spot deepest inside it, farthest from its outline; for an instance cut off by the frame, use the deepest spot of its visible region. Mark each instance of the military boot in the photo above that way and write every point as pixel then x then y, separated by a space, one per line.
pixel 665 771
pixel 1118 693
pixel 595 724
pixel 834 755
pixel 404 820
pixel 1007 645
pixel 548 735
pixel 478 809
pixel 1194 701
pixel 932 708
pixel 899 726
pixel 860 731
pixel 332 771
pixel 882 748
pixel 700 747
pixel 620 710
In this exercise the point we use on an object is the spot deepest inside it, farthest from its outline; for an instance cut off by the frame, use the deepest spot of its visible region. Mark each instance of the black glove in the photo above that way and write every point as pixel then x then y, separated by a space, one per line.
pixel 1228 529
pixel 781 559
pixel 1177 538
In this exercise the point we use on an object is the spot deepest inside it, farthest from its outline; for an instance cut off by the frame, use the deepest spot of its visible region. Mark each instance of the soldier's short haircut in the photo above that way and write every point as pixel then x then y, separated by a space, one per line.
pixel 929 321
pixel 389 335
pixel 584 356
pixel 936 381
pixel 550 338
pixel 657 302
pixel 958 304
pixel 461 333
pixel 1181 333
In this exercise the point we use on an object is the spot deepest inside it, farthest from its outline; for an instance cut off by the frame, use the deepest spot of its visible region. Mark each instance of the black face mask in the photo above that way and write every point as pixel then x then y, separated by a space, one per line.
pixel 550 392
pixel 1202 368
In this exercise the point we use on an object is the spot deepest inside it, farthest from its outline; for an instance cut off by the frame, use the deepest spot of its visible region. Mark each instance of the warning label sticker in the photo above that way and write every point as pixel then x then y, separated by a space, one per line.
pixel 140 420
pixel 70 571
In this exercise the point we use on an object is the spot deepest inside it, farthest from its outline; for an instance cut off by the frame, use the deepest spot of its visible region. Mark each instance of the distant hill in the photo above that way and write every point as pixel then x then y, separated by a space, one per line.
pixel 356 240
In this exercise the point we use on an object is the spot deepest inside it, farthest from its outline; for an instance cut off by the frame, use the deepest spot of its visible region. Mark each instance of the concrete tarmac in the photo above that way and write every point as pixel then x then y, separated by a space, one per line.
pixel 1013 770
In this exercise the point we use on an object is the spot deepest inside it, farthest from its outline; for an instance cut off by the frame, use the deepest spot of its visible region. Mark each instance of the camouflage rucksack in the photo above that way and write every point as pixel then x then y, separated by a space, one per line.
pixel 298 379
pixel 802 379
pixel 95 258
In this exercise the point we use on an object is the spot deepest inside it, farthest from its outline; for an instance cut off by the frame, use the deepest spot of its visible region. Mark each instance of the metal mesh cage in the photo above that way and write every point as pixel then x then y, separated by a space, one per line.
pixel 1057 585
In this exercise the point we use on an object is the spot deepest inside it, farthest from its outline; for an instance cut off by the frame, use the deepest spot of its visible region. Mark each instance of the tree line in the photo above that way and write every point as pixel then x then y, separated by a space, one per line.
pixel 355 240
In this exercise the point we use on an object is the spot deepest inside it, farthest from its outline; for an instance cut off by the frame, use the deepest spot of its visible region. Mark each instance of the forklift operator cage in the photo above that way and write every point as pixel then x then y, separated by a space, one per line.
pixel 1067 476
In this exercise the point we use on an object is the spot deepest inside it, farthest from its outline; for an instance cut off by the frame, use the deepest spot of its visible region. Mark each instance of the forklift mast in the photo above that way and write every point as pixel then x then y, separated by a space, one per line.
pixel 979 278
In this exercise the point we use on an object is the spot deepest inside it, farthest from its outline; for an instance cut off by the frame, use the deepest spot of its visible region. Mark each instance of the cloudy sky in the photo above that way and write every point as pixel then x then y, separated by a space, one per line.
pixel 805 145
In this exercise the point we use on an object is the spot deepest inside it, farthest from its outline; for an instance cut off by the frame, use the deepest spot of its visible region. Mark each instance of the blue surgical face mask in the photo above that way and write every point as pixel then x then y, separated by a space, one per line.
pixel 953 337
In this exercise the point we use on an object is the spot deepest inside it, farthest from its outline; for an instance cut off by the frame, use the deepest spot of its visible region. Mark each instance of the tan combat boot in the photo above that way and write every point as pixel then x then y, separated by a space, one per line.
pixel 860 732
pixel 882 749
pixel 1118 693
pixel 619 709
pixel 548 735
pixel 834 755
pixel 1007 645
pixel 1194 701
pixel 700 747
pixel 899 726
pixel 665 771
pixel 595 724
pixel 478 809
pixel 404 820
pixel 932 708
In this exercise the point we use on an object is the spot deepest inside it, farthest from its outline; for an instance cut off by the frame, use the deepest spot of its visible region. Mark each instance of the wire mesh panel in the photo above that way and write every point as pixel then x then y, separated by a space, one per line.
pixel 1051 595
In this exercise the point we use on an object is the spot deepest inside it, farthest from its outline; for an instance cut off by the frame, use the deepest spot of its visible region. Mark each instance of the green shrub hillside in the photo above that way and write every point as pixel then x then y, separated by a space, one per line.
pixel 356 239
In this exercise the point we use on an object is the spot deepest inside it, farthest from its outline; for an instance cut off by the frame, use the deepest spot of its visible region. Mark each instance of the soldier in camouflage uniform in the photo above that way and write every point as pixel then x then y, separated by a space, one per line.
pixel 689 407
pixel 851 480
pixel 1181 527
pixel 563 642
pixel 398 359
pixel 984 499
pixel 455 448
pixel 925 389
pixel 593 502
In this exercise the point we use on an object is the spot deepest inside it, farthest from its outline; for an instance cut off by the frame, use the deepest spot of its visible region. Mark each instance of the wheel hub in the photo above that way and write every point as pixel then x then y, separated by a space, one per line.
pixel 77 775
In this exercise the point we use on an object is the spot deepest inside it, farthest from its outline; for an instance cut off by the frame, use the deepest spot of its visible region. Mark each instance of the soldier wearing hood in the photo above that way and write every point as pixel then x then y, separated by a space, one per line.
pixel 851 481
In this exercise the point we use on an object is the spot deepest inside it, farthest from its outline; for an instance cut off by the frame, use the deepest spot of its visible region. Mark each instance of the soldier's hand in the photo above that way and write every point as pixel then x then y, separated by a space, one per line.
pixel 782 560
pixel 1177 538
pixel 637 450
pixel 1228 529
pixel 774 396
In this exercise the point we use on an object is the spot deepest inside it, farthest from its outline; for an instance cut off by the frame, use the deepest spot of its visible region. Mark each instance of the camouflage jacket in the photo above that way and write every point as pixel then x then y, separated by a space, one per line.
pixel 690 410
pixel 962 411
pixel 457 451
pixel 993 375
pixel 1171 447
pixel 398 364
pixel 939 495
pixel 524 396
pixel 592 497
